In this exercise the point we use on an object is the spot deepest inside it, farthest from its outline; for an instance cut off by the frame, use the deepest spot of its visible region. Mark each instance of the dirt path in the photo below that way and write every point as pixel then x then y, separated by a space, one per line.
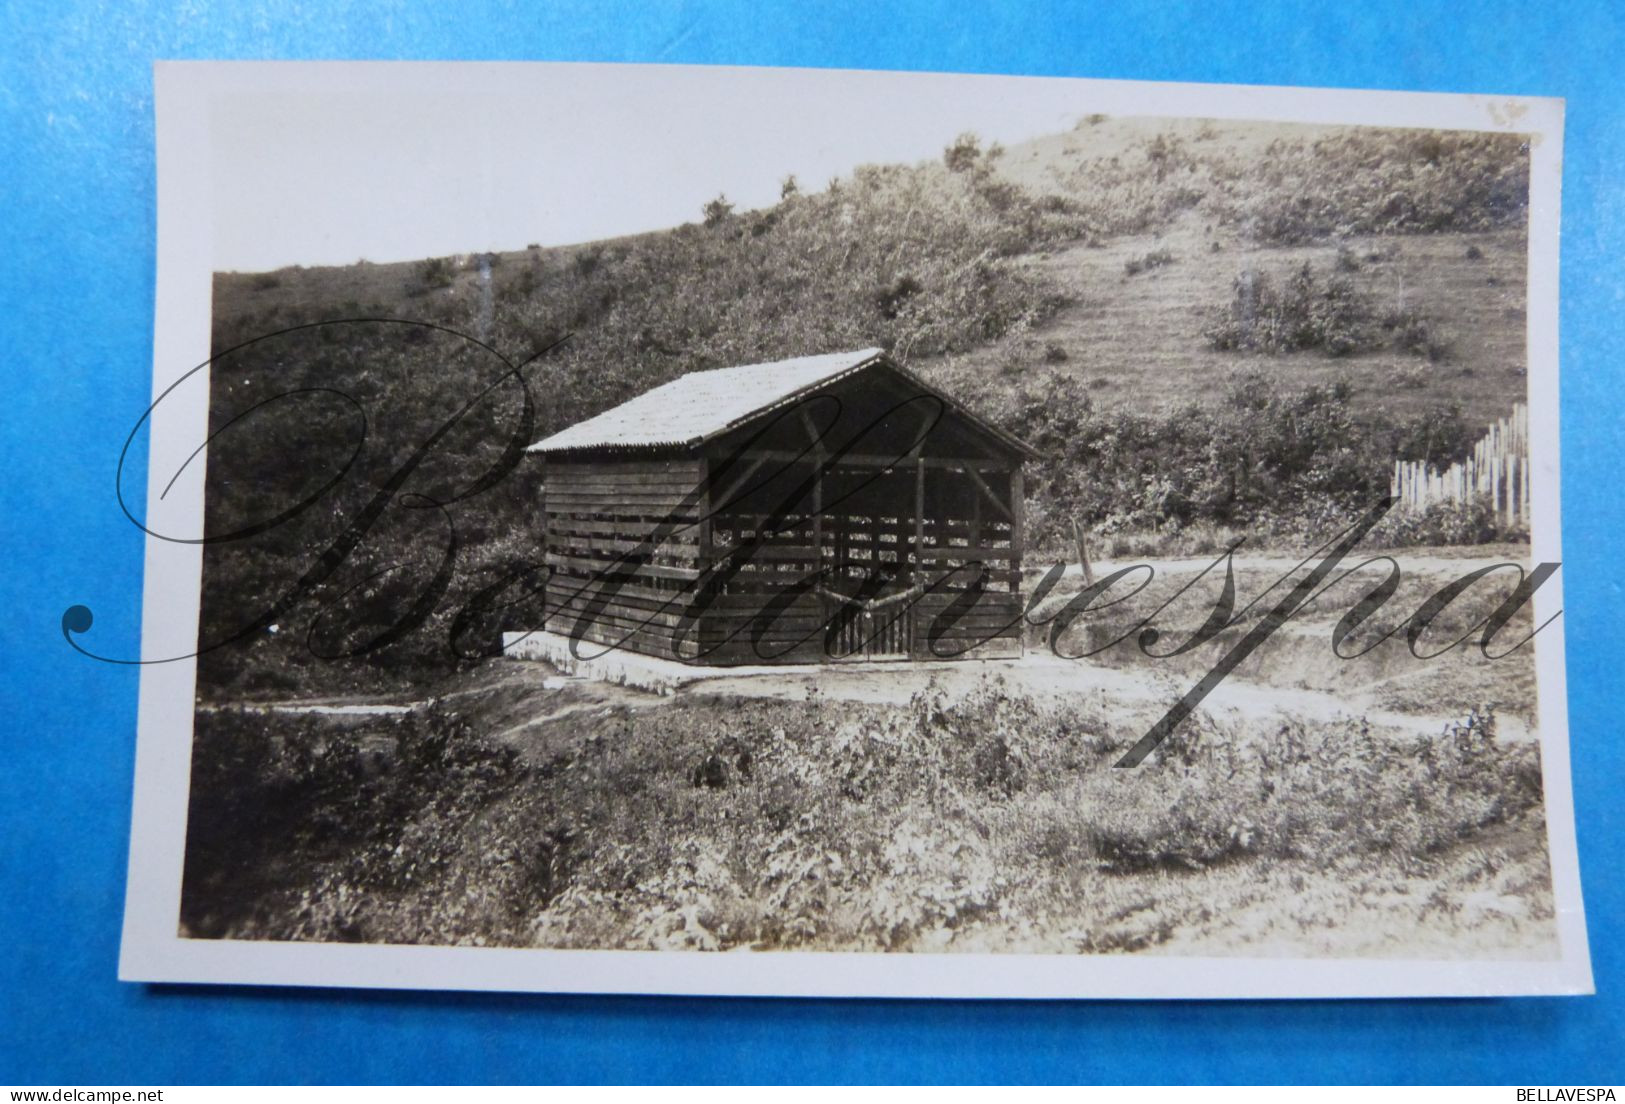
pixel 1143 688
pixel 532 694
pixel 328 707
pixel 1432 563
pixel 1043 675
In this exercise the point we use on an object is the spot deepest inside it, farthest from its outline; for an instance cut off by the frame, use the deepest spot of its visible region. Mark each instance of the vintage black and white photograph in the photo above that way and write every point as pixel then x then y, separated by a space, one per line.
pixel 855 519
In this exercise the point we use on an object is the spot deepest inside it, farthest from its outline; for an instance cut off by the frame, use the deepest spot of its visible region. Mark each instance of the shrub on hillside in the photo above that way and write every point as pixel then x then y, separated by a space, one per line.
pixel 1441 436
pixel 434 273
pixel 716 211
pixel 1313 311
pixel 1157 258
pixel 1409 333
pixel 1307 311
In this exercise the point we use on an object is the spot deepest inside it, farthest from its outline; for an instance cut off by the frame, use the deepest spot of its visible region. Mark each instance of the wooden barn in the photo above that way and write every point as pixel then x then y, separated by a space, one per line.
pixel 821 509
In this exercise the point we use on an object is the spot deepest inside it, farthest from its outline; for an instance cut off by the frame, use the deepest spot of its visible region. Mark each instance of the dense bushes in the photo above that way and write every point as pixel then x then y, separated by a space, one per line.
pixel 1298 189
pixel 354 402
pixel 1381 182
pixel 303 827
pixel 919 259
pixel 1472 522
pixel 1319 791
pixel 777 823
pixel 1265 457
pixel 1313 311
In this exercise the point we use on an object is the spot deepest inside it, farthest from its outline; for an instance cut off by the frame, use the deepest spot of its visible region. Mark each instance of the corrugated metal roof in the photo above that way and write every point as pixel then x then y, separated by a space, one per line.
pixel 701 405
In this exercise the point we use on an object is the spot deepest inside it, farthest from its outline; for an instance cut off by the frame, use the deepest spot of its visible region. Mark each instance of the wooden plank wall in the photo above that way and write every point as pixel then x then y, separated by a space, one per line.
pixel 963 527
pixel 780 562
pixel 957 530
pixel 598 512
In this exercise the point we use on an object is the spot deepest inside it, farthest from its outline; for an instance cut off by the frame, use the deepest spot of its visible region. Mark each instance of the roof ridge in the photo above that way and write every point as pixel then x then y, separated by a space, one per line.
pixel 864 354
pixel 696 407
pixel 659 417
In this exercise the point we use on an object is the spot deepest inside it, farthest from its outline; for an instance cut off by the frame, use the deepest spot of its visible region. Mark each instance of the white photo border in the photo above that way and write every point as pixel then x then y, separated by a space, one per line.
pixel 152 948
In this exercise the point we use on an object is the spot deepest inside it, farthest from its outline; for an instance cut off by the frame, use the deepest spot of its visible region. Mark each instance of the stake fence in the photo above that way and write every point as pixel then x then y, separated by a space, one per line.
pixel 1497 471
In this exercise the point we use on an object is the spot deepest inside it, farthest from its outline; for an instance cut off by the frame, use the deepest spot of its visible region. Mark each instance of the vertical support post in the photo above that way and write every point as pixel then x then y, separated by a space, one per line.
pixel 975 515
pixel 704 507
pixel 975 519
pixel 1084 565
pixel 818 490
pixel 706 552
pixel 916 571
pixel 1018 523
pixel 843 535
pixel 917 566
pixel 1527 516
pixel 547 538
pixel 1512 490
pixel 818 510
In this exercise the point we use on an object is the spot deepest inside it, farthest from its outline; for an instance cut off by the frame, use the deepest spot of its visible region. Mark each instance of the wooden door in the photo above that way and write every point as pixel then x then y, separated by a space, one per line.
pixel 879 627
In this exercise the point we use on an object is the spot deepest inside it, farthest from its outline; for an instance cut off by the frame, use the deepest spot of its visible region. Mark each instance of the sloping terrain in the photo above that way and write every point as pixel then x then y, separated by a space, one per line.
pixel 1136 341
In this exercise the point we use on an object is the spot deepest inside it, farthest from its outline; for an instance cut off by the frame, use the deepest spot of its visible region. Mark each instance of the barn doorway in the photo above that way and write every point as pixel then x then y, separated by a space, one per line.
pixel 869 618
pixel 869 561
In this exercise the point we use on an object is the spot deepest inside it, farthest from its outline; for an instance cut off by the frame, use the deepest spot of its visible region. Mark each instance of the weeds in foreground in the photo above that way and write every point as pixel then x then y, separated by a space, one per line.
pixel 720 823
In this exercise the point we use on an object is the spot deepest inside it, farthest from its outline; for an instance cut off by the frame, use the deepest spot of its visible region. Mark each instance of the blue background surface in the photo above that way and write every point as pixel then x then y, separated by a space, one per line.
pixel 76 282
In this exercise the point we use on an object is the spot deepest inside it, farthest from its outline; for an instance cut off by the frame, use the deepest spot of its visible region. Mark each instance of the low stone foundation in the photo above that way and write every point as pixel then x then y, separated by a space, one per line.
pixel 641 672
pixel 664 676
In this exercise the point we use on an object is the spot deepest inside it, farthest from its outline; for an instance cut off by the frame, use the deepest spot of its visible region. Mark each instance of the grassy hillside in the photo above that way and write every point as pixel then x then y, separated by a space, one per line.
pixel 1018 262
pixel 1136 342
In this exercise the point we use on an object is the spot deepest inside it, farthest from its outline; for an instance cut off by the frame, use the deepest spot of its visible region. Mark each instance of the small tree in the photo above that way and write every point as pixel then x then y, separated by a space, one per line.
pixel 717 211
pixel 435 272
pixel 963 153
